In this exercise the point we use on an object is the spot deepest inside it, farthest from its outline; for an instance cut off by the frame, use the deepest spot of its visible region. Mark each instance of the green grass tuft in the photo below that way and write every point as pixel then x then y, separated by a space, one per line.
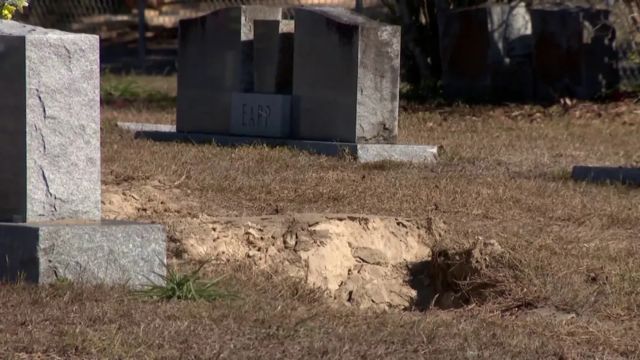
pixel 185 286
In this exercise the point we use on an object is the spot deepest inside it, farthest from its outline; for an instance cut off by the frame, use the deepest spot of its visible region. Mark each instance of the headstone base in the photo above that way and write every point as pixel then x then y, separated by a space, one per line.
pixel 107 252
pixel 425 154
pixel 397 152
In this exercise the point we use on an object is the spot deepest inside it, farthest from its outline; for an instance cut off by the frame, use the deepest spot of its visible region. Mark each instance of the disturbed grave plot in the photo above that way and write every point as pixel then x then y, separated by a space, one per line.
pixel 366 261
pixel 359 260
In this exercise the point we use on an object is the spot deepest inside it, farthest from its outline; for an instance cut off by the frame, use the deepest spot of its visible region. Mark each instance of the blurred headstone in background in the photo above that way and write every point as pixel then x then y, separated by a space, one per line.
pixel 508 52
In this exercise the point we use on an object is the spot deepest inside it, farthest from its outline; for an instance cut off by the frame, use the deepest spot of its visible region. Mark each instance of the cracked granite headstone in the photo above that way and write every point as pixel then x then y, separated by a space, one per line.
pixel 50 223
pixel 345 77
pixel 50 128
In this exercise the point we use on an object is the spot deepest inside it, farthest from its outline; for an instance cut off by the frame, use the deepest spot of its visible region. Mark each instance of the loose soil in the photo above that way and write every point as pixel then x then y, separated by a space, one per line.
pixel 356 259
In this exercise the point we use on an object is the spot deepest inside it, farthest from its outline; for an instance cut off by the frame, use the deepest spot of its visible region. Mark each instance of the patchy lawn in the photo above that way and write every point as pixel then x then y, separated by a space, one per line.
pixel 503 175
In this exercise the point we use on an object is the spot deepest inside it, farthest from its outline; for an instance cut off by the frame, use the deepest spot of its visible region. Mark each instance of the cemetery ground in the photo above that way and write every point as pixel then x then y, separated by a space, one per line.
pixel 568 287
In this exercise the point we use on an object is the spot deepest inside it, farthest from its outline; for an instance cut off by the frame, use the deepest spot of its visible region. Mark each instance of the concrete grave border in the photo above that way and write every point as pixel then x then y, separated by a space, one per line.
pixel 364 153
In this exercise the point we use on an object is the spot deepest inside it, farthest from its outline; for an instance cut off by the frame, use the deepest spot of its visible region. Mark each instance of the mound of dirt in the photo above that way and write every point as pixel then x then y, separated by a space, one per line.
pixel 357 259
pixel 366 261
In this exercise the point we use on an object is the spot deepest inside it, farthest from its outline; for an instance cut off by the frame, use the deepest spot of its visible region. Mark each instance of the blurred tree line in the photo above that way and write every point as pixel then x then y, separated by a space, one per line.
pixel 420 47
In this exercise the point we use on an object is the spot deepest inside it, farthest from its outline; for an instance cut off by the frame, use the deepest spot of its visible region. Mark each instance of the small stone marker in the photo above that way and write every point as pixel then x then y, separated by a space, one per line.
pixel 215 59
pixel 273 56
pixel 261 115
pixel 345 77
pixel 50 168
pixel 604 174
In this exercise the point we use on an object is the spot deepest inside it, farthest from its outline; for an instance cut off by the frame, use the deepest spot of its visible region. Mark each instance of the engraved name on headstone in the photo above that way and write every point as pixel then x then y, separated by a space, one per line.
pixel 260 115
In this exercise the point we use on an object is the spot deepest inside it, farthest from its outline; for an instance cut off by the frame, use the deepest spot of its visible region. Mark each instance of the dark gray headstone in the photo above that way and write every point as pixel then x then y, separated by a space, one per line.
pixel 345 77
pixel 486 53
pixel 261 115
pixel 216 59
pixel 50 128
pixel 508 52
pixel 574 53
pixel 273 56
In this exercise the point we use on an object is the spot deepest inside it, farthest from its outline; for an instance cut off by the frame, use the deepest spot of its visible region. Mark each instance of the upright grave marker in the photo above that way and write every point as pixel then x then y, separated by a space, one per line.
pixel 574 52
pixel 331 89
pixel 51 118
pixel 512 52
pixel 345 77
pixel 486 52
pixel 215 60
pixel 50 167
pixel 265 110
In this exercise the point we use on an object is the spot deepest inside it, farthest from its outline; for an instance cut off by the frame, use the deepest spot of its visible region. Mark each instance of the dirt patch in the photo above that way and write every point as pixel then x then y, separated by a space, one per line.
pixel 367 261
pixel 359 260
pixel 155 199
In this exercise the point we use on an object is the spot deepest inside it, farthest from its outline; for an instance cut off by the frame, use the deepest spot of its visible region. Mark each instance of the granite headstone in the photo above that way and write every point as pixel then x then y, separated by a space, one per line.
pixel 215 59
pixel 50 128
pixel 486 53
pixel 574 53
pixel 50 191
pixel 345 77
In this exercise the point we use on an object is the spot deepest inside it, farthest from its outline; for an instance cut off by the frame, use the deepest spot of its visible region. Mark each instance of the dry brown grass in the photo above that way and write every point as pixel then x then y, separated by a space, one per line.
pixel 504 176
pixel 278 318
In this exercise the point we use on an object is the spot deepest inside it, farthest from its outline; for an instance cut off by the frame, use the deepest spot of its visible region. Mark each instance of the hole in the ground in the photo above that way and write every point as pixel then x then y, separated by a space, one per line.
pixel 454 279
